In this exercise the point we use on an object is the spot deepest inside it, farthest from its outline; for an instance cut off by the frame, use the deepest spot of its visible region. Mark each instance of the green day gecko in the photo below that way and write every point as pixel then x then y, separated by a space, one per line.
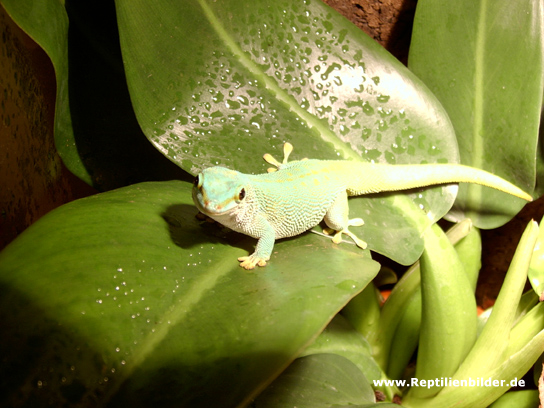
pixel 295 196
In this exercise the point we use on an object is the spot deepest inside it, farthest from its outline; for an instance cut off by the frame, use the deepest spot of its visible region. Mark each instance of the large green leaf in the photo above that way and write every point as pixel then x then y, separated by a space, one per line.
pixel 448 312
pixel 484 61
pixel 223 82
pixel 519 399
pixel 108 137
pixel 47 23
pixel 125 298
pixel 96 132
pixel 318 381
pixel 339 337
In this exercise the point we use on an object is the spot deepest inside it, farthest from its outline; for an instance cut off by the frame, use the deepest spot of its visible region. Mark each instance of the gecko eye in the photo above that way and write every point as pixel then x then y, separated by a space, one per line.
pixel 241 194
pixel 196 182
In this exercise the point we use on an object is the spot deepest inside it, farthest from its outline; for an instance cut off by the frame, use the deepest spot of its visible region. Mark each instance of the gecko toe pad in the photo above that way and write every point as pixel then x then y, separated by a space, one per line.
pixel 249 262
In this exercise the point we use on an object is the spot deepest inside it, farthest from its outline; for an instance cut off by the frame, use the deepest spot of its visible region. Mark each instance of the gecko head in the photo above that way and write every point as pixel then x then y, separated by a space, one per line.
pixel 218 191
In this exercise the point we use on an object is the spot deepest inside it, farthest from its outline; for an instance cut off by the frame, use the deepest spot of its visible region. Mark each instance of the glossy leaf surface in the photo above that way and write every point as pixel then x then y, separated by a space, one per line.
pixel 125 298
pixel 484 61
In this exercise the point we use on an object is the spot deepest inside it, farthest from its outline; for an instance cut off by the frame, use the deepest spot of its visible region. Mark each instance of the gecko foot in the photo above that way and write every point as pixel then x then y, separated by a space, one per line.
pixel 287 149
pixel 359 242
pixel 337 235
pixel 249 262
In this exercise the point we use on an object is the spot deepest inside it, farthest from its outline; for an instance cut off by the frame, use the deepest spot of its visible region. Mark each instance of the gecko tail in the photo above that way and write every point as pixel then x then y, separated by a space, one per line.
pixel 384 177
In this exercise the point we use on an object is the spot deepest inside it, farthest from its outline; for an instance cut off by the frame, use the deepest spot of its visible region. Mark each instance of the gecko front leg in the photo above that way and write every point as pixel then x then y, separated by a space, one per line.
pixel 263 250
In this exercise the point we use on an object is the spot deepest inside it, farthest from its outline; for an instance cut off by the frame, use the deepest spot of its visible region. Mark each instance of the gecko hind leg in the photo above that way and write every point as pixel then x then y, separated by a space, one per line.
pixel 287 149
pixel 338 222
pixel 337 235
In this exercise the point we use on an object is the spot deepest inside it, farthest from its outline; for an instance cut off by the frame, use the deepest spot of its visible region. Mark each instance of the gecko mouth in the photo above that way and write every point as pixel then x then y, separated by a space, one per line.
pixel 209 211
pixel 205 209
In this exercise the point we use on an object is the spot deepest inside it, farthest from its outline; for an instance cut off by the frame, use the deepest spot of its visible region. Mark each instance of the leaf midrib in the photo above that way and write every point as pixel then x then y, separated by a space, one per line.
pixel 172 318
pixel 273 87
pixel 476 159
